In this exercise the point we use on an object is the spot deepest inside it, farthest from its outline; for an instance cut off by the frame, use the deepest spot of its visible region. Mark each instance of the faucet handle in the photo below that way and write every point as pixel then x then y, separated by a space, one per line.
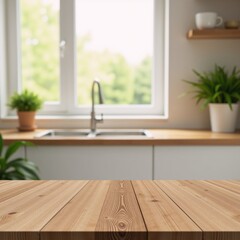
pixel 100 120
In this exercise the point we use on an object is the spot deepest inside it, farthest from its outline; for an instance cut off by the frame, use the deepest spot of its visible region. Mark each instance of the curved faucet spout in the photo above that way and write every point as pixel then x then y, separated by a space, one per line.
pixel 94 120
pixel 100 95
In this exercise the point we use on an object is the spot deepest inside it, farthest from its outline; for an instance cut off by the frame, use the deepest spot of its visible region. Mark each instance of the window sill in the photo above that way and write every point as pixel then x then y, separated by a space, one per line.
pixel 147 121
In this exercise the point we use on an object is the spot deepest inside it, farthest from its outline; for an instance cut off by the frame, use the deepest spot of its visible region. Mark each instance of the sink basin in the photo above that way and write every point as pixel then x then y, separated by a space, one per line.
pixel 68 133
pixel 123 133
pixel 62 133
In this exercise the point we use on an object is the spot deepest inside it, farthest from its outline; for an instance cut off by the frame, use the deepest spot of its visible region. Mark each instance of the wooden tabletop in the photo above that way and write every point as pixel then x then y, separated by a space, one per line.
pixel 102 210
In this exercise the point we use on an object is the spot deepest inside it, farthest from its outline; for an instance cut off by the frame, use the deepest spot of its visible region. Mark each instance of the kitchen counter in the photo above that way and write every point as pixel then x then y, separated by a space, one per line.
pixel 160 137
pixel 89 210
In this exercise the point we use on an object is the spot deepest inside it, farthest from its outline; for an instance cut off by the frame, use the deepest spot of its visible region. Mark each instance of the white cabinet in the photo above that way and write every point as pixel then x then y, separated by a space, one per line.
pixel 19 154
pixel 135 162
pixel 92 162
pixel 197 162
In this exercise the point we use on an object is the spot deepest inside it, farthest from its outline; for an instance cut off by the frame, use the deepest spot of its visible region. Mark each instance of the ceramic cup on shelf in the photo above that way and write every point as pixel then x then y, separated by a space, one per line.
pixel 205 20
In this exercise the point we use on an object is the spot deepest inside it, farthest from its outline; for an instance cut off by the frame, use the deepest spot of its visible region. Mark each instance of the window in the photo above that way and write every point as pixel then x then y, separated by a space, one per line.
pixel 57 48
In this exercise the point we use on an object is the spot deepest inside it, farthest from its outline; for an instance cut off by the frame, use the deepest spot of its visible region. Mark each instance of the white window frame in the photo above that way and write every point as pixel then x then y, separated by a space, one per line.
pixel 68 105
pixel 3 64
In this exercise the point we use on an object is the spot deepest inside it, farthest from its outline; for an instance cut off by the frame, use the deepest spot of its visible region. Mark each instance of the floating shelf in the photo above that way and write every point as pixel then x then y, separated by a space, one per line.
pixel 214 34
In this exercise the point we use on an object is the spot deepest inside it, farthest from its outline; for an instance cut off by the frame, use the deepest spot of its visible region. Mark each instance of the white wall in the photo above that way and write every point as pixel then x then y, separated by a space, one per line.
pixel 198 54
pixel 184 56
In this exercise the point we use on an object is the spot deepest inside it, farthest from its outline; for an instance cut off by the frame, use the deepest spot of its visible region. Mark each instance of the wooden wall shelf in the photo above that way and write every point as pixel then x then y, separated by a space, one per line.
pixel 214 34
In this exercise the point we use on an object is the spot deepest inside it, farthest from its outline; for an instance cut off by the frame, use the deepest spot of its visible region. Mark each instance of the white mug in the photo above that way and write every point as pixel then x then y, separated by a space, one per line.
pixel 208 20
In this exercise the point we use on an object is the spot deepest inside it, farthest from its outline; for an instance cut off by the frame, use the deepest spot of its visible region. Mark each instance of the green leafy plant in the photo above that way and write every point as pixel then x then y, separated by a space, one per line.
pixel 217 86
pixel 25 101
pixel 18 168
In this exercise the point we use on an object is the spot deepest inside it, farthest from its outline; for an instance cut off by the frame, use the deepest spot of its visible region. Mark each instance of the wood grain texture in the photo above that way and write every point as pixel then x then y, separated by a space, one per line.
pixel 19 236
pixel 160 137
pixel 233 186
pixel 221 236
pixel 13 188
pixel 220 198
pixel 214 219
pixel 3 181
pixel 78 219
pixel 121 217
pixel 163 218
pixel 28 212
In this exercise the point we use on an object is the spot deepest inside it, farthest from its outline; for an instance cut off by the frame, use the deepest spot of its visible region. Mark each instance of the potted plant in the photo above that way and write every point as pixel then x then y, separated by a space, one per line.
pixel 221 91
pixel 26 104
pixel 18 168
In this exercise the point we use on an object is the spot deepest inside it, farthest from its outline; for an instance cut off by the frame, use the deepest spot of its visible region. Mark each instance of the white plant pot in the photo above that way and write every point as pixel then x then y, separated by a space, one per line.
pixel 223 119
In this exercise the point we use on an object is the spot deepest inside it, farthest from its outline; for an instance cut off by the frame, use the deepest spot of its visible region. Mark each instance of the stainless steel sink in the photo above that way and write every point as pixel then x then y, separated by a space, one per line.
pixel 63 133
pixel 68 133
pixel 123 133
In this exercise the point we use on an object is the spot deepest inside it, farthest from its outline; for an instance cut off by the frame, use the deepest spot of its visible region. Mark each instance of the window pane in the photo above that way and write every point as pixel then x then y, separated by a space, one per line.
pixel 115 44
pixel 39 46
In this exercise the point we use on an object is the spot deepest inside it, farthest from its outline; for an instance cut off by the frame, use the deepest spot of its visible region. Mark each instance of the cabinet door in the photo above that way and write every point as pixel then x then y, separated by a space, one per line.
pixel 92 162
pixel 197 162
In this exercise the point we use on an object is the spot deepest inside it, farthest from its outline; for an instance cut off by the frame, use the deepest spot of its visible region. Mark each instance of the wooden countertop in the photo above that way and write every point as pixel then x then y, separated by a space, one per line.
pixel 160 137
pixel 138 210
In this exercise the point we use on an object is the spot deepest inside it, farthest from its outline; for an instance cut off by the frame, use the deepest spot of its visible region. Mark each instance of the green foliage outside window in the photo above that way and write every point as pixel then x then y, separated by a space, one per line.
pixel 122 82
pixel 40 56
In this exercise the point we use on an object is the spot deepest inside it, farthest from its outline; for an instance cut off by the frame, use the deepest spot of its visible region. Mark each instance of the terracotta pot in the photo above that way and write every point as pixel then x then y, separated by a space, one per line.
pixel 26 121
